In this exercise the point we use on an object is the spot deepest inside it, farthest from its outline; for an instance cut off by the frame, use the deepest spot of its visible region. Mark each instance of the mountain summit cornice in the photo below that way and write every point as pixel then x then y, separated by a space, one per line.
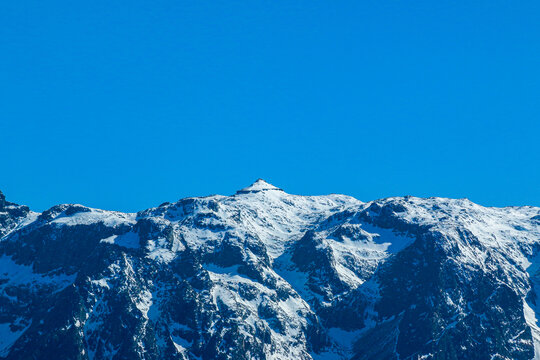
pixel 258 186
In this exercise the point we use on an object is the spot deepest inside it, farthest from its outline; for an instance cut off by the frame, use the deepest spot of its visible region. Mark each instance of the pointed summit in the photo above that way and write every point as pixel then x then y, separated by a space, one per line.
pixel 257 186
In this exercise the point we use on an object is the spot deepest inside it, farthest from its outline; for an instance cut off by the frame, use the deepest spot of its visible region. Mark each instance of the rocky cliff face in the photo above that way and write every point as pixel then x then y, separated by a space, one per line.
pixel 264 274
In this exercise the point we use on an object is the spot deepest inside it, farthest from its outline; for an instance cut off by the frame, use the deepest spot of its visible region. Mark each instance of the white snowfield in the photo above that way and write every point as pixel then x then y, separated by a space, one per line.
pixel 264 214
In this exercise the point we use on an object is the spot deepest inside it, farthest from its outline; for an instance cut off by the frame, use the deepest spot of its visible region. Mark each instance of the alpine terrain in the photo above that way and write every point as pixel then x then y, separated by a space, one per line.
pixel 263 274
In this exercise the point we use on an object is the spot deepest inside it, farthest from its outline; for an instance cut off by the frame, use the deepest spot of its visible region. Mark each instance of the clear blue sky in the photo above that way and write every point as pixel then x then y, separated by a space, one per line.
pixel 126 104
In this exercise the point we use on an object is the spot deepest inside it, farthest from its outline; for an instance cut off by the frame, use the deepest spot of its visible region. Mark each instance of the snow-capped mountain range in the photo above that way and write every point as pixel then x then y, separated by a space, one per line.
pixel 263 274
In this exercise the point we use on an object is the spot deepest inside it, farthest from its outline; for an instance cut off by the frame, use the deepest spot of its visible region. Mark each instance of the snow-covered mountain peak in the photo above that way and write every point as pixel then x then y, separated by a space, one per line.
pixel 258 186
pixel 264 274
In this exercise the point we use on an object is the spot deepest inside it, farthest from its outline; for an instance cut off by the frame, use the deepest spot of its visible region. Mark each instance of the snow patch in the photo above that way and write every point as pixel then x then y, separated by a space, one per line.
pixel 129 240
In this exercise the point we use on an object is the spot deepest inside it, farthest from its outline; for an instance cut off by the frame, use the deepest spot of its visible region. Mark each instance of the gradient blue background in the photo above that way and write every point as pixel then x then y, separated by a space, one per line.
pixel 126 104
